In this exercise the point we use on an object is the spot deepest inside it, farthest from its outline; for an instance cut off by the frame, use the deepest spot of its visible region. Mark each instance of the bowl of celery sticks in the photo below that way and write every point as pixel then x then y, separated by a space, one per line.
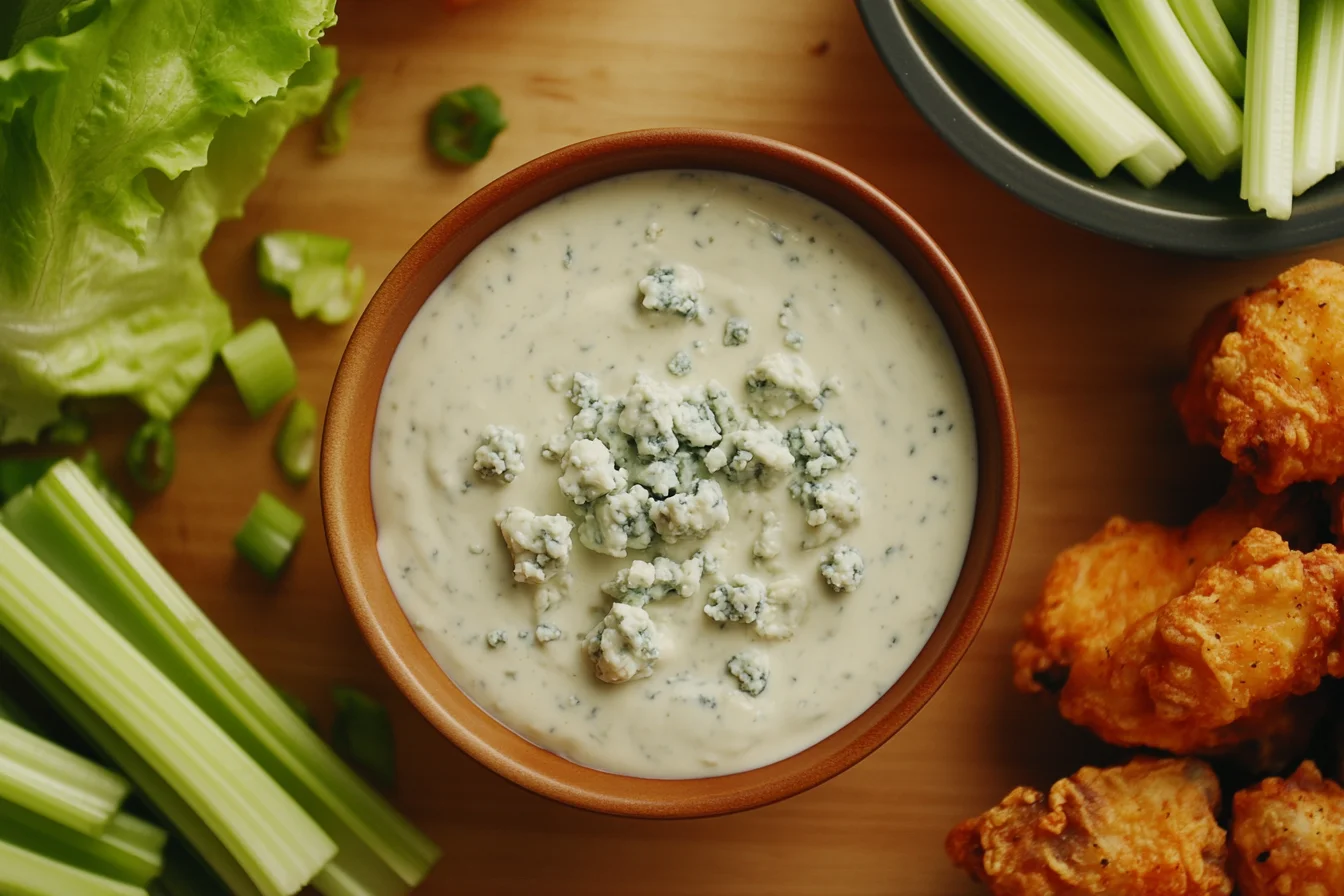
pixel 1211 127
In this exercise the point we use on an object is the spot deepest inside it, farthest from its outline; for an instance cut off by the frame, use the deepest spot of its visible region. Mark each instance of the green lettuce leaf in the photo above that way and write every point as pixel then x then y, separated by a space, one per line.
pixel 128 130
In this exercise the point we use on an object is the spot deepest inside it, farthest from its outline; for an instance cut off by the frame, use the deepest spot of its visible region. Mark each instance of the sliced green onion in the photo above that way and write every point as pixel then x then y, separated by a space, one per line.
pixel 260 365
pixel 1204 25
pixel 1195 108
pixel 1102 125
pixel 269 535
pixel 57 784
pixel 464 124
pixel 336 119
pixel 24 873
pixel 152 455
pixel 362 733
pixel 128 850
pixel 71 429
pixel 279 846
pixel 1236 16
pixel 1271 100
pixel 311 269
pixel 17 473
pixel 1320 92
pixel 92 466
pixel 296 442
pixel 77 536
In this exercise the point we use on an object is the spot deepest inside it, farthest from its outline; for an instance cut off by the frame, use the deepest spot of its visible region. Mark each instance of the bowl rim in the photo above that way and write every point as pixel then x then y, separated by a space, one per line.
pixel 1064 195
pixel 350 528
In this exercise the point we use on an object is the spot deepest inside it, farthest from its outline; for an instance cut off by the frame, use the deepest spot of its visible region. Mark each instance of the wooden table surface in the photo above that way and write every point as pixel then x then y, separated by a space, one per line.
pixel 1092 333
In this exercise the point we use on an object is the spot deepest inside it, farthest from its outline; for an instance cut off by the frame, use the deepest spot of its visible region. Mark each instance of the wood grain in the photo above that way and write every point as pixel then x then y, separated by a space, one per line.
pixel 1092 333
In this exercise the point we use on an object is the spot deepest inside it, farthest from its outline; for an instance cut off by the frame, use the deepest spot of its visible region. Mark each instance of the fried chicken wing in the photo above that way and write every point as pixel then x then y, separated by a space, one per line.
pixel 1288 836
pixel 1112 633
pixel 1147 828
pixel 1266 382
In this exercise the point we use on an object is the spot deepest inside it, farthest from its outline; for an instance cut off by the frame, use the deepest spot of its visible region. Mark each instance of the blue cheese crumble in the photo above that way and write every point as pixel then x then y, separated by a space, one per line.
pixel 680 365
pixel 618 523
pixel 780 383
pixel 832 505
pixel 690 515
pixel 770 543
pixel 647 416
pixel 500 455
pixel 751 668
pixel 751 456
pixel 821 448
pixel 496 638
pixel 737 600
pixel 673 289
pixel 589 472
pixel 842 568
pixel 546 633
pixel 783 609
pixel 642 582
pixel 624 645
pixel 540 545
pixel 736 331
pixel 794 340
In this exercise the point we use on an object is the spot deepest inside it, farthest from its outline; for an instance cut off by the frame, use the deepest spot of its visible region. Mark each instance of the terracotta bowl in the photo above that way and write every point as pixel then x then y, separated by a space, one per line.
pixel 347 507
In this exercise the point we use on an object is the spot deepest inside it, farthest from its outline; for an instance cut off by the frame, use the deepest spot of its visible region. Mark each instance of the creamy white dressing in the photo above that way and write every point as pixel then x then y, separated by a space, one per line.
pixel 557 291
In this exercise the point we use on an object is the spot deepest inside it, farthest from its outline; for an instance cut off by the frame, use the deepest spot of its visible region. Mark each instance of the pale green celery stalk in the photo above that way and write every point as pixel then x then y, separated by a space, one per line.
pixel 1053 79
pixel 1097 46
pixel 171 807
pixel 67 524
pixel 57 784
pixel 1195 108
pixel 279 846
pixel 1209 33
pixel 128 850
pixel 1236 15
pixel 24 873
pixel 1271 100
pixel 1320 92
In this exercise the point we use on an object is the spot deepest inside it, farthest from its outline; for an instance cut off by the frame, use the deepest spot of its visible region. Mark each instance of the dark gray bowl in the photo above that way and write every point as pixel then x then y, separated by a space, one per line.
pixel 1014 149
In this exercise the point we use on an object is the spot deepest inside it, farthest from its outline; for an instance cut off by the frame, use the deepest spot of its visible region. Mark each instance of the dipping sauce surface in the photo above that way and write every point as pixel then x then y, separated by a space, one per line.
pixel 747 648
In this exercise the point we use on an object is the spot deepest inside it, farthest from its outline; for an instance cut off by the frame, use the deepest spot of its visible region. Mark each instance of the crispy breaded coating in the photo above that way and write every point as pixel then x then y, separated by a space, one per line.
pixel 1266 382
pixel 1288 836
pixel 1119 622
pixel 1147 828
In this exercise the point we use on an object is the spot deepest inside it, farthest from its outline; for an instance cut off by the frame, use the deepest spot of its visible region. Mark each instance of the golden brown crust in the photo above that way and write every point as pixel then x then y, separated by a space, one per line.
pixel 1269 391
pixel 1143 829
pixel 1288 836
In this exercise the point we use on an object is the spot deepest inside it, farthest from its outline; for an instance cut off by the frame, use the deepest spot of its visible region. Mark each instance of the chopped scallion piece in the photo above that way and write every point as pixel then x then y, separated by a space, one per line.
pixel 336 119
pixel 279 845
pixel 17 473
pixel 464 124
pixel 92 466
pixel 1058 83
pixel 1196 110
pixel 1271 101
pixel 311 269
pixel 63 521
pixel 49 780
pixel 362 733
pixel 151 455
pixel 260 365
pixel 296 442
pixel 128 850
pixel 1320 92
pixel 71 429
pixel 28 874
pixel 269 535
pixel 1204 25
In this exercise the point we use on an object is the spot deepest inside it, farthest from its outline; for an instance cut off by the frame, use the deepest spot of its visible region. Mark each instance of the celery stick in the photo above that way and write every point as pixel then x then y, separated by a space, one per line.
pixel 128 850
pixel 161 795
pixel 66 523
pixel 1102 125
pixel 1208 32
pixel 24 873
pixel 1195 108
pixel 1236 14
pixel 1320 92
pixel 55 783
pixel 279 846
pixel 1271 98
